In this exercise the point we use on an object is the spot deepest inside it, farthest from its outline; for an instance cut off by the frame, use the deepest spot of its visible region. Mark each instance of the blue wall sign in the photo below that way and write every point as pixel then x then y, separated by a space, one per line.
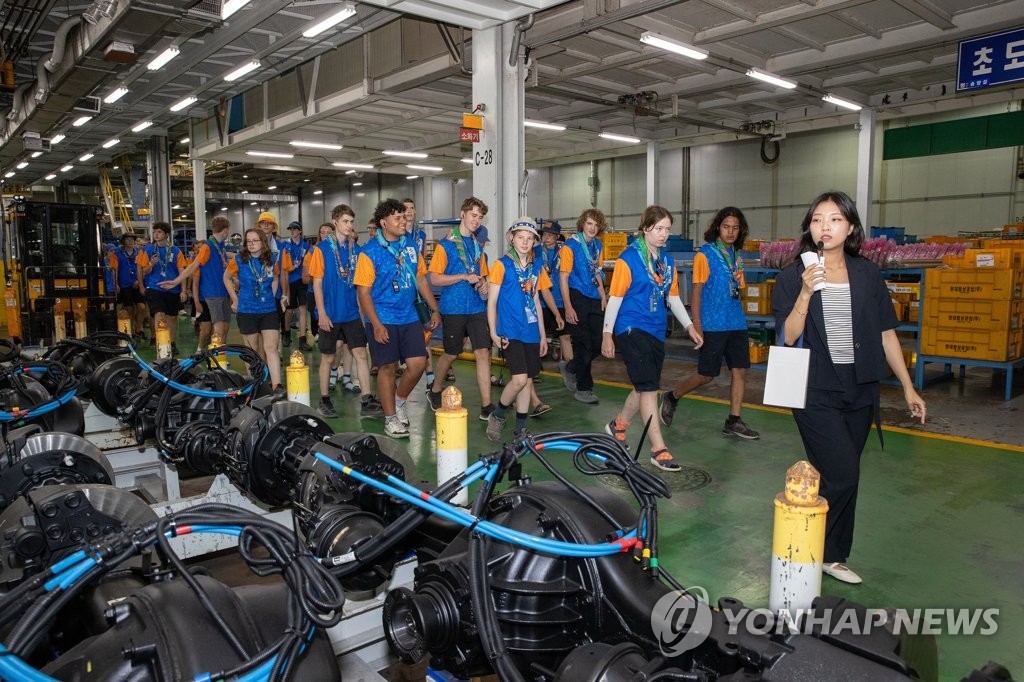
pixel 990 61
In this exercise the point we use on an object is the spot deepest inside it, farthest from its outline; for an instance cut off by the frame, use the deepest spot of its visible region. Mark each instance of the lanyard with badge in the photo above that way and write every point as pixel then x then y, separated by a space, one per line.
pixel 658 273
pixel 732 263
pixel 527 276
pixel 161 261
pixel 260 275
pixel 550 261
pixel 403 275
pixel 592 264
pixel 130 260
pixel 460 245
pixel 345 275
pixel 219 248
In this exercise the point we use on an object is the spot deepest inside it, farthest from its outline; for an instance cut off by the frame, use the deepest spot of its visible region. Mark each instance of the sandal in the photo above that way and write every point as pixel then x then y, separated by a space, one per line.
pixel 663 460
pixel 450 376
pixel 540 409
pixel 617 430
pixel 350 387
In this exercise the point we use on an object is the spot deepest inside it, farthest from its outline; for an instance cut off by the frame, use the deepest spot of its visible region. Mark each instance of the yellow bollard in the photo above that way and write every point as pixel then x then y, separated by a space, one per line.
pixel 124 325
pixel 163 341
pixel 298 378
pixel 798 541
pixel 217 342
pixel 452 440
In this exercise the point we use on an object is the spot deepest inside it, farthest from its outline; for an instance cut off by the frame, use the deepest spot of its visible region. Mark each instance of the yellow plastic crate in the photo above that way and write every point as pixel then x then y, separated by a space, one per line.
pixel 993 258
pixel 958 313
pixel 610 239
pixel 974 283
pixel 757 306
pixel 997 346
pixel 758 353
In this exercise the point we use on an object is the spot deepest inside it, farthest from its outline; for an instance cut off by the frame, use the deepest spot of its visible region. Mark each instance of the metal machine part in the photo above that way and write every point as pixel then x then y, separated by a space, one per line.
pixel 35 459
pixel 21 391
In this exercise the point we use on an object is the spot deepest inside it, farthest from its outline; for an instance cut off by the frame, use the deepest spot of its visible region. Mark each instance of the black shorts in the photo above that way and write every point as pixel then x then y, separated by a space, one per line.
pixel 523 358
pixel 455 328
pixel 404 341
pixel 731 345
pixel 166 302
pixel 296 294
pixel 205 315
pixel 130 296
pixel 550 328
pixel 350 333
pixel 644 356
pixel 254 323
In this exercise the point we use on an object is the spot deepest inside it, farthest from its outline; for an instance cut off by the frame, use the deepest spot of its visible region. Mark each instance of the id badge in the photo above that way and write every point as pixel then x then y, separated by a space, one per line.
pixel 654 301
pixel 395 287
pixel 531 315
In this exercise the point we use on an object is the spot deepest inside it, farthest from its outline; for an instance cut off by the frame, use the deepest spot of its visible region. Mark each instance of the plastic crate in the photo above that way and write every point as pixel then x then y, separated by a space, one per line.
pixel 975 284
pixel 993 258
pixel 960 314
pixel 972 344
pixel 758 353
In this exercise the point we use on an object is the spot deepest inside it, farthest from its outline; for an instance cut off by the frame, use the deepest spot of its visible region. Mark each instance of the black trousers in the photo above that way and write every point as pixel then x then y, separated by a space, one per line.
pixel 586 338
pixel 834 428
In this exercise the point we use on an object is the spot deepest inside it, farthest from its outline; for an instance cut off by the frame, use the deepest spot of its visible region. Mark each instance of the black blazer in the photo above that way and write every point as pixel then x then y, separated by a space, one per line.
pixel 873 313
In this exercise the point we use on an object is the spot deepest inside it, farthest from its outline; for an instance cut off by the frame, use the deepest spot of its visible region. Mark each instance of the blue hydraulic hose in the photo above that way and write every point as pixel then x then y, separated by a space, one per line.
pixel 191 390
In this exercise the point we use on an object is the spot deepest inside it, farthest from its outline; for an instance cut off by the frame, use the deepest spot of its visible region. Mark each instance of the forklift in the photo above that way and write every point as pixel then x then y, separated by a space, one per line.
pixel 53 275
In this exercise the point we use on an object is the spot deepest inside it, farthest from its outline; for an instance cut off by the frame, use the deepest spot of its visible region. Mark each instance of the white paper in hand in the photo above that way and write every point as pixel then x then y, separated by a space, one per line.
pixel 785 383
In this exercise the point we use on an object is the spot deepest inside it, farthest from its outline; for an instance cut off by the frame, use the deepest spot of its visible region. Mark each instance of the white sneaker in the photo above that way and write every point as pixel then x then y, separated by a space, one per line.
pixel 841 572
pixel 403 415
pixel 394 428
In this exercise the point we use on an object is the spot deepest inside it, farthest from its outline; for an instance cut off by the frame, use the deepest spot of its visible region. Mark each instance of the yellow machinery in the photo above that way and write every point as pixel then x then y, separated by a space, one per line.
pixel 53 277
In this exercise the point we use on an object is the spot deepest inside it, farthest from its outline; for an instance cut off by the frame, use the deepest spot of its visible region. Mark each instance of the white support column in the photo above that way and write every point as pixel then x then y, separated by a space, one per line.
pixel 653 172
pixel 498 159
pixel 199 194
pixel 425 207
pixel 158 169
pixel 865 167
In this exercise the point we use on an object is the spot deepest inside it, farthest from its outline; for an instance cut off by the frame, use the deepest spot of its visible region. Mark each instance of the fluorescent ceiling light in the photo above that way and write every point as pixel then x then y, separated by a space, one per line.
pixel 469 161
pixel 272 155
pixel 543 126
pixel 188 101
pixel 79 122
pixel 242 70
pixel 252 203
pixel 141 125
pixel 350 172
pixel 318 192
pixel 620 138
pixel 223 208
pixel 51 176
pixel 57 139
pixel 357 184
pixel 315 145
pixel 116 94
pixel 245 191
pixel 164 57
pixel 839 102
pixel 232 6
pixel 411 177
pixel 660 41
pixel 424 168
pixel 246 177
pixel 175 207
pixel 115 167
pixel 330 20
pixel 86 156
pixel 23 164
pixel 343 164
pixel 411 155
pixel 771 78
pixel 110 143
pixel 305 180
pixel 272 187
pixel 36 155
pixel 186 140
pixel 65 169
pixel 9 174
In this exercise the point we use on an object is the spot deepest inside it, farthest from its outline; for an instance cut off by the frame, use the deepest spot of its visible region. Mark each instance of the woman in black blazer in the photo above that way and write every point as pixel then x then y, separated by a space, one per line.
pixel 850 328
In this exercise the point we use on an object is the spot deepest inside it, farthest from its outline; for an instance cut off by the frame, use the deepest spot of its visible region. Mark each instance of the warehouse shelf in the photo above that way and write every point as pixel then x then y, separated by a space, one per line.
pixel 1008 366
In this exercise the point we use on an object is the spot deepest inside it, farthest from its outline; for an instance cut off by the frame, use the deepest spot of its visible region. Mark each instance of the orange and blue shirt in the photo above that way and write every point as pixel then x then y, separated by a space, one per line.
pixel 517 309
pixel 167 262
pixel 211 269
pixel 582 260
pixel 644 288
pixel 335 265
pixel 460 298
pixel 390 270
pixel 720 310
pixel 256 283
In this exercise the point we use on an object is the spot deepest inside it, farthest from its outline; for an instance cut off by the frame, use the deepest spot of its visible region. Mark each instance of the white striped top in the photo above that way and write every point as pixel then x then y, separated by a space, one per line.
pixel 835 302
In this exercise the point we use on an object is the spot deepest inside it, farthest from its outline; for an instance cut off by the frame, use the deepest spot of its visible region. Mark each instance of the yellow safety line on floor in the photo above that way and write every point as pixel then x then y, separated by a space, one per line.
pixel 779 410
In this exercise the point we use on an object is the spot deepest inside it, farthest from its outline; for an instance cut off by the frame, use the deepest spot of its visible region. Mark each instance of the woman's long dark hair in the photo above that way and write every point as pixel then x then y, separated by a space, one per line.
pixel 651 216
pixel 849 210
pixel 711 234
pixel 266 255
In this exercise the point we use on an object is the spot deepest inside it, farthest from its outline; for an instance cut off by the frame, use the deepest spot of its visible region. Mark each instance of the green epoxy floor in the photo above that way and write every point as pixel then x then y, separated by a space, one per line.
pixel 939 520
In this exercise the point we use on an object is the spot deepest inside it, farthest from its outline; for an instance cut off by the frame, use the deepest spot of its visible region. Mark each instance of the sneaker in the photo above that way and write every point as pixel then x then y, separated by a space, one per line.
pixel 663 460
pixel 279 392
pixel 521 435
pixel 668 408
pixel 841 572
pixel 394 428
pixel 402 414
pixel 370 407
pixel 568 378
pixel 174 349
pixel 617 430
pixel 495 424
pixel 434 399
pixel 739 429
pixel 587 397
pixel 286 339
pixel 303 346
pixel 485 412
pixel 326 408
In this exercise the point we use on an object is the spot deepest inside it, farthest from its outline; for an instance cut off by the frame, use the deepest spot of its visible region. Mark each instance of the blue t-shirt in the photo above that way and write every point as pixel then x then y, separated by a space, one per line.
pixel 644 301
pixel 392 280
pixel 339 271
pixel 586 265
pixel 164 260
pixel 516 313
pixel 419 238
pixel 256 281
pixel 127 270
pixel 459 298
pixel 297 252
pixel 211 273
pixel 720 311
pixel 551 259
